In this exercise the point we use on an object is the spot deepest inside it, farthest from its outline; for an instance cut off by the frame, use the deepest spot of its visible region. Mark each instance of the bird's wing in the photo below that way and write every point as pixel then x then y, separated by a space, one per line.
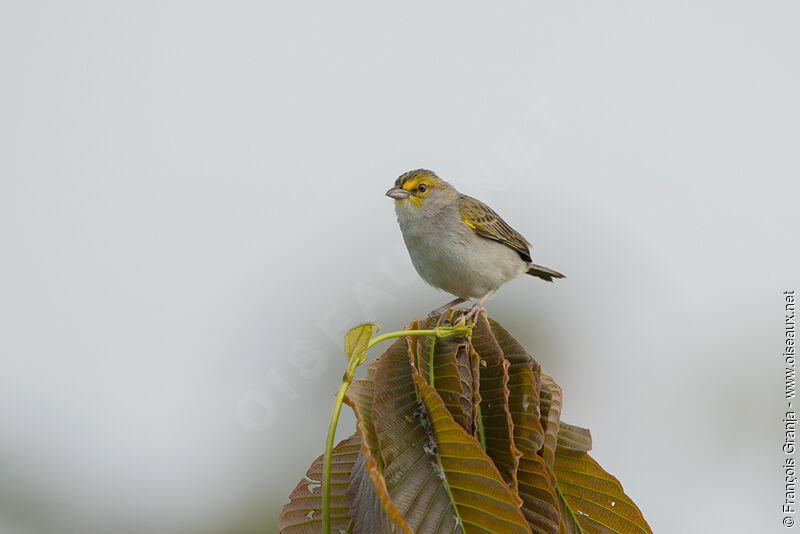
pixel 486 223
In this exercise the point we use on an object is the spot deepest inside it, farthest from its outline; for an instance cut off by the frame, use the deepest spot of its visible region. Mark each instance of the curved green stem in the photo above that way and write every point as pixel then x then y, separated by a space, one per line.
pixel 389 335
pixel 353 361
pixel 326 460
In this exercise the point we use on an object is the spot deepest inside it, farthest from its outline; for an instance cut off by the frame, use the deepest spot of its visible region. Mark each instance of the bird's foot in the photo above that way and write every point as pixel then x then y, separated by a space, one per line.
pixel 477 308
pixel 473 312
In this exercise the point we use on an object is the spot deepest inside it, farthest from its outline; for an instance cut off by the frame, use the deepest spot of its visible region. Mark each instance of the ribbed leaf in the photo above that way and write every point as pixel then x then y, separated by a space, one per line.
pixel 461 435
pixel 550 408
pixel 406 451
pixel 475 371
pixel 539 498
pixel 496 420
pixel 483 502
pixel 512 349
pixel 366 509
pixel 569 524
pixel 445 364
pixel 535 485
pixel 524 391
pixel 574 438
pixel 303 514
pixel 360 397
pixel 593 499
pixel 436 473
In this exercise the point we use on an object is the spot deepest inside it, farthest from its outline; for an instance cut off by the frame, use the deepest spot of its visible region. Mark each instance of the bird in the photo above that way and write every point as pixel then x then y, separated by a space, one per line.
pixel 457 243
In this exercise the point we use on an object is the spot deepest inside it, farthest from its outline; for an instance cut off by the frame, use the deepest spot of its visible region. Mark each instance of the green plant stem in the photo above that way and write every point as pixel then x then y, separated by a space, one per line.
pixel 326 461
pixel 353 362
pixel 438 332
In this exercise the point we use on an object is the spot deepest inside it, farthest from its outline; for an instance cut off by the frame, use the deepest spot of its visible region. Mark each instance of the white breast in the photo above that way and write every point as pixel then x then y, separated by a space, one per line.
pixel 449 255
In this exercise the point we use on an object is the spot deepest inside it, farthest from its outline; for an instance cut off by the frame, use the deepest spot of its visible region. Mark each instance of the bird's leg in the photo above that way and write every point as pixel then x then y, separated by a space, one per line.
pixel 478 306
pixel 441 309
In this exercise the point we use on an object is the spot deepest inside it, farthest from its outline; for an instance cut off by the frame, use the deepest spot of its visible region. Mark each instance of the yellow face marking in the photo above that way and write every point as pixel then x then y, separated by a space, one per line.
pixel 418 183
pixel 412 184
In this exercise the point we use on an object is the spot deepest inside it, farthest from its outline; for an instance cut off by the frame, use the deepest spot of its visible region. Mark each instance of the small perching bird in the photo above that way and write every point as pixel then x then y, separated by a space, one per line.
pixel 458 243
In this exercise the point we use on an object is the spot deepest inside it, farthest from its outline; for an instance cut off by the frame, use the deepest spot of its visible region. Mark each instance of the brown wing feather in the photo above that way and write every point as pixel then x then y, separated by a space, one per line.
pixel 486 223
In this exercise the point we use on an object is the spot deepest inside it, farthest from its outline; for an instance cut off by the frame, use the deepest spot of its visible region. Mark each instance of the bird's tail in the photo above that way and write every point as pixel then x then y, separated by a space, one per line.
pixel 543 272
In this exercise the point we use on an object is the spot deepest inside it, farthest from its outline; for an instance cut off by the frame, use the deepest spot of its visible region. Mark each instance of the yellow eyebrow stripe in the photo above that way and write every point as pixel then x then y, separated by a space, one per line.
pixel 412 183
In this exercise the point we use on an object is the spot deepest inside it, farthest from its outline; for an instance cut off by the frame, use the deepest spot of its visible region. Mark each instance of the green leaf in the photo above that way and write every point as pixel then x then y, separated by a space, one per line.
pixel 357 339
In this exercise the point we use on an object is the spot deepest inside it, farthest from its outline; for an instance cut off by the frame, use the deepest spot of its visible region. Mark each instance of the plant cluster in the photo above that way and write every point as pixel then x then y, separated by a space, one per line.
pixel 458 430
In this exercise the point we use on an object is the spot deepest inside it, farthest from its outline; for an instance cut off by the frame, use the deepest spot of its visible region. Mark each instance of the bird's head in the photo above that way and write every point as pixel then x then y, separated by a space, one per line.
pixel 419 188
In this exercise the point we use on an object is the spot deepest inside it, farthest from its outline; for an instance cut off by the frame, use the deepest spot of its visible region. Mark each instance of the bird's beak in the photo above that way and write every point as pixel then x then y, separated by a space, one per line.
pixel 398 193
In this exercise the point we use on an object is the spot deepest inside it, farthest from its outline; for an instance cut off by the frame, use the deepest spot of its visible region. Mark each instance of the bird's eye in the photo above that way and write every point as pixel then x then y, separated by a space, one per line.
pixel 422 188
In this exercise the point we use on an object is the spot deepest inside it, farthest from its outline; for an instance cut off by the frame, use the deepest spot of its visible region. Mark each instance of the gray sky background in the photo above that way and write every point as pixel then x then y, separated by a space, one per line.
pixel 192 214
